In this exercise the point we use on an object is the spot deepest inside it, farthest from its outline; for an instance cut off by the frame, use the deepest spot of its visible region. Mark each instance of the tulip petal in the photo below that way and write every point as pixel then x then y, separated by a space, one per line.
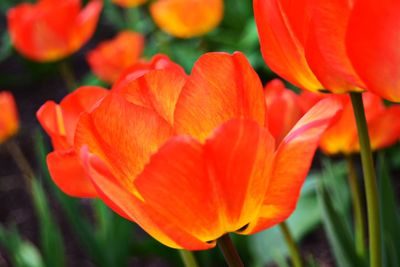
pixel 123 135
pixel 212 189
pixel 68 174
pixel 221 87
pixel 325 48
pixel 374 50
pixel 281 40
pixel 292 162
pixel 157 90
pixel 51 119
pixel 124 203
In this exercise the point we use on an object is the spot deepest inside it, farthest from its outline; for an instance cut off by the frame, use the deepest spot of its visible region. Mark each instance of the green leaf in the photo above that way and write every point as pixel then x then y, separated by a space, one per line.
pixel 337 230
pixel 22 252
pixel 50 235
pixel 389 214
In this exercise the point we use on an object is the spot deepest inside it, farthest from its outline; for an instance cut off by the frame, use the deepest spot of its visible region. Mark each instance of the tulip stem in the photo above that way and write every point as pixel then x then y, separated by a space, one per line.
pixel 293 248
pixel 359 216
pixel 188 258
pixel 21 161
pixel 371 188
pixel 68 76
pixel 229 251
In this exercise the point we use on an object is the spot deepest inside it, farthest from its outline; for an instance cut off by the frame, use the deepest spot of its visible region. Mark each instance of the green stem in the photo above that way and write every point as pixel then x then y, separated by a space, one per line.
pixel 68 76
pixel 359 216
pixel 371 188
pixel 188 258
pixel 229 251
pixel 21 161
pixel 293 248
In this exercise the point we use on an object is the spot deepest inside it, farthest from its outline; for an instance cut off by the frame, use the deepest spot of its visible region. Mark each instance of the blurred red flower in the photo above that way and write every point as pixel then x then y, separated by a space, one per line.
pixel 189 158
pixel 50 30
pixel 9 122
pixel 110 58
pixel 341 137
pixel 333 45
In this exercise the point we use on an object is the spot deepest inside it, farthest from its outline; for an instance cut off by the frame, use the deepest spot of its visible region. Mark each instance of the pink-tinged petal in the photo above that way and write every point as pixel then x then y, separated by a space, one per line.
pixel 292 162
pixel 221 87
pixel 283 109
pixel 157 90
pixel 123 135
pixel 130 206
pixel 158 62
pixel 69 175
pixel 325 47
pixel 282 40
pixel 85 24
pixel 212 189
pixel 374 49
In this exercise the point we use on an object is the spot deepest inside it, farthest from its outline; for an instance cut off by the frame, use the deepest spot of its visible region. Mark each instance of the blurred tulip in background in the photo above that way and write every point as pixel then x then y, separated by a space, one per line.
pixel 9 122
pixel 110 58
pixel 50 30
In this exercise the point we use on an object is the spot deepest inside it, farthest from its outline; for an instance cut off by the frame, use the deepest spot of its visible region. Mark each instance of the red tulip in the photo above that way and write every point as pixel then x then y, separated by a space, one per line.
pixel 331 45
pixel 50 30
pixel 59 121
pixel 189 158
pixel 8 116
pixel 341 137
pixel 187 18
pixel 110 58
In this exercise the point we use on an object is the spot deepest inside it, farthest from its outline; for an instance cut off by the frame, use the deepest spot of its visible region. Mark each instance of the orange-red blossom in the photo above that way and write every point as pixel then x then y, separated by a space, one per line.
pixel 189 157
pixel 110 58
pixel 9 122
pixel 50 29
pixel 335 45
pixel 341 136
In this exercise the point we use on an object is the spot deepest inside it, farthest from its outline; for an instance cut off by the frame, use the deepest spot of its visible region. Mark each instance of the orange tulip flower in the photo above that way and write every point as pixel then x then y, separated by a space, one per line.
pixel 331 45
pixel 187 18
pixel 189 158
pixel 50 30
pixel 341 137
pixel 59 122
pixel 8 116
pixel 110 58
pixel 129 3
